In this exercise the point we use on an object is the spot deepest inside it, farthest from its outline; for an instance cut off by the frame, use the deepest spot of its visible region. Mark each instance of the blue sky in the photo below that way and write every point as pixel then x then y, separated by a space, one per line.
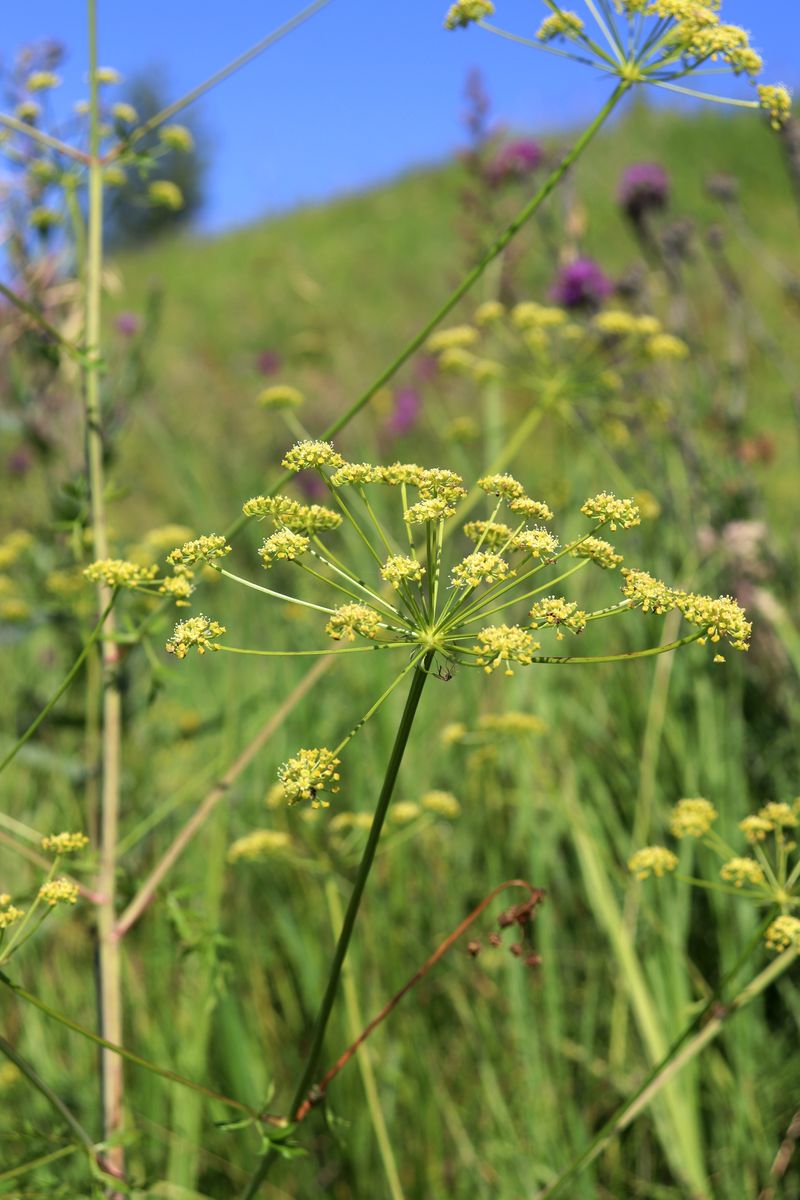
pixel 363 91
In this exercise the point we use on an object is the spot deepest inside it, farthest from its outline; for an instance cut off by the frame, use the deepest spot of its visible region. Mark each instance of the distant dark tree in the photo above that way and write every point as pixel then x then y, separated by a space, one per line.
pixel 145 206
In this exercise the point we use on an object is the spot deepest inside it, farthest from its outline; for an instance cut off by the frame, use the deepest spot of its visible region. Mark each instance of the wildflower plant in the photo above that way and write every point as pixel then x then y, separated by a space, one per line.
pixel 425 599
pixel 653 42
pixel 765 872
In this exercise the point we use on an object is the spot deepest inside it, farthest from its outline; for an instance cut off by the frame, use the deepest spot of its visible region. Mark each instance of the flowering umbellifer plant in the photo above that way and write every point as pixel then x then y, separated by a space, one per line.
pixel 655 42
pixel 486 609
pixel 768 876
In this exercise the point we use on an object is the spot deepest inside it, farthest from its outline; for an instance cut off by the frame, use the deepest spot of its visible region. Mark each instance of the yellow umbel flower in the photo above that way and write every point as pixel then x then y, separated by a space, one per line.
pixel 58 891
pixel 403 812
pixel 118 573
pixel 556 611
pixel 283 544
pixel 504 486
pixel 165 194
pixel 261 843
pixel 504 644
pixel 777 100
pixel 666 345
pixel 740 871
pixel 783 933
pixel 606 507
pixel 459 337
pixel 279 396
pixel 306 455
pixel 652 860
pixel 10 915
pixel 463 12
pixel 206 548
pixel 537 543
pixel 195 631
pixel 307 774
pixel 401 568
pixel 352 619
pixel 478 568
pixel 649 593
pixel 756 828
pixel 779 814
pixel 64 843
pixel 443 804
pixel 692 818
pixel 489 312
pixel 532 510
pixel 436 509
pixel 599 551
pixel 176 137
pixel 561 24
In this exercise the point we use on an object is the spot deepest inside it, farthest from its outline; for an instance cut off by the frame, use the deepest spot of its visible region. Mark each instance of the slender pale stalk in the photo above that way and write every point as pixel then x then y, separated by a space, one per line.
pixel 109 983
pixel 398 750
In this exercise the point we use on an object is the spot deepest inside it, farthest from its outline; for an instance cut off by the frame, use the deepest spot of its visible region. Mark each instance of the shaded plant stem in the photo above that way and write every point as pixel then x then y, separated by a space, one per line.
pixel 418 681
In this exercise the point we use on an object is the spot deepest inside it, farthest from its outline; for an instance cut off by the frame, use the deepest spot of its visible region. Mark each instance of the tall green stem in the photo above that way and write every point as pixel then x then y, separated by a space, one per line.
pixel 108 944
pixel 398 750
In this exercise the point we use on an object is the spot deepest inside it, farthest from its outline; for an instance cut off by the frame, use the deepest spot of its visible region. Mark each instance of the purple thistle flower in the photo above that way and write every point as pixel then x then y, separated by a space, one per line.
pixel 643 188
pixel 268 362
pixel 581 284
pixel 20 461
pixel 128 324
pixel 405 410
pixel 515 160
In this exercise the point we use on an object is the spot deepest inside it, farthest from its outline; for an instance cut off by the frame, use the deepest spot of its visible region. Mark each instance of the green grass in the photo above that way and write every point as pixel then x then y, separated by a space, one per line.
pixel 491 1076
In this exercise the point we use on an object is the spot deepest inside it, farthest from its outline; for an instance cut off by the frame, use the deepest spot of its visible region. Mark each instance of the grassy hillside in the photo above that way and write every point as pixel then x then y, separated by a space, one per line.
pixel 339 288
pixel 493 1076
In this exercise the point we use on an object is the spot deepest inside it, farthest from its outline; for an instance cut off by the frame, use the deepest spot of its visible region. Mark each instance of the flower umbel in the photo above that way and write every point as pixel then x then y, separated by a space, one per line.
pixel 437 609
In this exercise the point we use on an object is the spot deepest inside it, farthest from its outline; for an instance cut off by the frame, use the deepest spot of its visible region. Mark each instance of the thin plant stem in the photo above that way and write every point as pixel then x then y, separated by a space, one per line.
pixel 355 1023
pixel 62 687
pixel 398 750
pixel 43 1161
pixel 33 313
pixel 44 139
pixel 129 1055
pixel 108 959
pixel 219 76
pixel 76 1129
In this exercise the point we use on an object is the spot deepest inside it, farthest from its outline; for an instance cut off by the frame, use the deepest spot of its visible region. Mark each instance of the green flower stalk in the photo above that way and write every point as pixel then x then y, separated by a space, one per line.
pixel 655 42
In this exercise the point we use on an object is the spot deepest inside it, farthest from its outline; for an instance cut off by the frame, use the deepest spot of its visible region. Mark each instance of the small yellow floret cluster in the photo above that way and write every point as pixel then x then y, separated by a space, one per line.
pixel 599 551
pixel 556 611
pixel 783 933
pixel 206 548
pixel 504 644
pixel 352 619
pixel 481 567
pixel 305 456
pixel 605 507
pixel 561 24
pixel 401 568
pixel 280 395
pixel 537 543
pixel 117 573
pixel 261 843
pixel 58 891
pixel 463 12
pixel 64 843
pixel 740 871
pixel 443 804
pixel 652 860
pixel 195 631
pixel 692 818
pixel 307 774
pixel 283 544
